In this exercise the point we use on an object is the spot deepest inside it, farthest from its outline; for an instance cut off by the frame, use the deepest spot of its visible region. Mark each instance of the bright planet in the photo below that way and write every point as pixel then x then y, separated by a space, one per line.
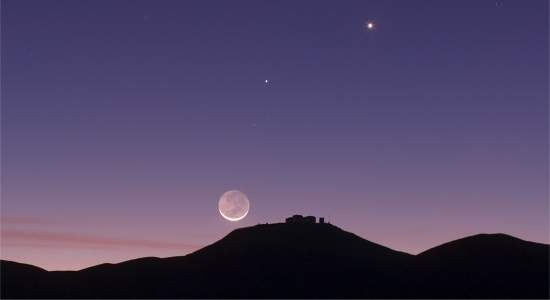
pixel 233 205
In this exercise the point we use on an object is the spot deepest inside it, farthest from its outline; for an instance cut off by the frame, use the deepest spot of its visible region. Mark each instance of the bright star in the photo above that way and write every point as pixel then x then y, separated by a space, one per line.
pixel 370 25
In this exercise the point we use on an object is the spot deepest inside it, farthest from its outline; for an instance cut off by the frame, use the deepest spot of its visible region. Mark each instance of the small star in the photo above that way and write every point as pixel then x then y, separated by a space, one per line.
pixel 370 26
pixel 266 81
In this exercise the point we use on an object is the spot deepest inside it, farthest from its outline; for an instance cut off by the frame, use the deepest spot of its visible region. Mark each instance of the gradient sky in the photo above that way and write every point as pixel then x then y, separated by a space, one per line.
pixel 124 121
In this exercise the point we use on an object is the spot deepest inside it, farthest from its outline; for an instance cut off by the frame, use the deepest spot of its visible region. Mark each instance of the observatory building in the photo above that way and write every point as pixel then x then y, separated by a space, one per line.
pixel 301 219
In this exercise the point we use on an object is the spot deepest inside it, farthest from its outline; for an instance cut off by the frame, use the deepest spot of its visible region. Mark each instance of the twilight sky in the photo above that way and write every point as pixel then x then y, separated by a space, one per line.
pixel 123 122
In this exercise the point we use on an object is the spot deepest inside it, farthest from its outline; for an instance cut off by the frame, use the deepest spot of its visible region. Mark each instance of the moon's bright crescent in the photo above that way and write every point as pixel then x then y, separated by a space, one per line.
pixel 233 205
pixel 233 219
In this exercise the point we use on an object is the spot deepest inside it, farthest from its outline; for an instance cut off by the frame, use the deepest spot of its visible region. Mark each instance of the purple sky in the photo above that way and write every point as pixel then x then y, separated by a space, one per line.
pixel 123 122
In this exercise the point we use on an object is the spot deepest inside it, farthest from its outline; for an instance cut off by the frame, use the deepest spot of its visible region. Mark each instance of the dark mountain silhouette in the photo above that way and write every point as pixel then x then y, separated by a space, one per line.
pixel 488 266
pixel 303 261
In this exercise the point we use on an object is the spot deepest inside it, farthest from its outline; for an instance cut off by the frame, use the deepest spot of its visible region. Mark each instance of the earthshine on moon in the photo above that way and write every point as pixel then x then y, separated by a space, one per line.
pixel 233 205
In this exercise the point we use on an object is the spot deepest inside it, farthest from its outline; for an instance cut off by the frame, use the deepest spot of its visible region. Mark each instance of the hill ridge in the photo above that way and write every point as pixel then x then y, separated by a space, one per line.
pixel 304 261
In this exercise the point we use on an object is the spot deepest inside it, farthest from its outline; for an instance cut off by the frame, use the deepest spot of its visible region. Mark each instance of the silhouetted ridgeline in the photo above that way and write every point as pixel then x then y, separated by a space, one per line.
pixel 304 260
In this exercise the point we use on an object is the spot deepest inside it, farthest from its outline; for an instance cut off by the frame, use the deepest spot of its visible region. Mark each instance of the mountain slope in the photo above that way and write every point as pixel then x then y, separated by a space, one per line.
pixel 305 261
pixel 279 260
pixel 309 260
pixel 20 280
pixel 486 265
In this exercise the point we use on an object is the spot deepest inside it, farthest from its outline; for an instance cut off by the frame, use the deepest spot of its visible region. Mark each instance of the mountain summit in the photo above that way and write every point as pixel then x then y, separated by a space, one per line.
pixel 303 260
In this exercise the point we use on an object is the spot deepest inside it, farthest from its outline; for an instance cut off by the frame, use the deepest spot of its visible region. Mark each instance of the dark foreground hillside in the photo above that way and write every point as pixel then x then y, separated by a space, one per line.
pixel 303 261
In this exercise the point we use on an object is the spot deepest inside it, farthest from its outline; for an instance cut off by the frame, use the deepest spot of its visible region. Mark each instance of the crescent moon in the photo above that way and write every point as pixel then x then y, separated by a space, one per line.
pixel 233 205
